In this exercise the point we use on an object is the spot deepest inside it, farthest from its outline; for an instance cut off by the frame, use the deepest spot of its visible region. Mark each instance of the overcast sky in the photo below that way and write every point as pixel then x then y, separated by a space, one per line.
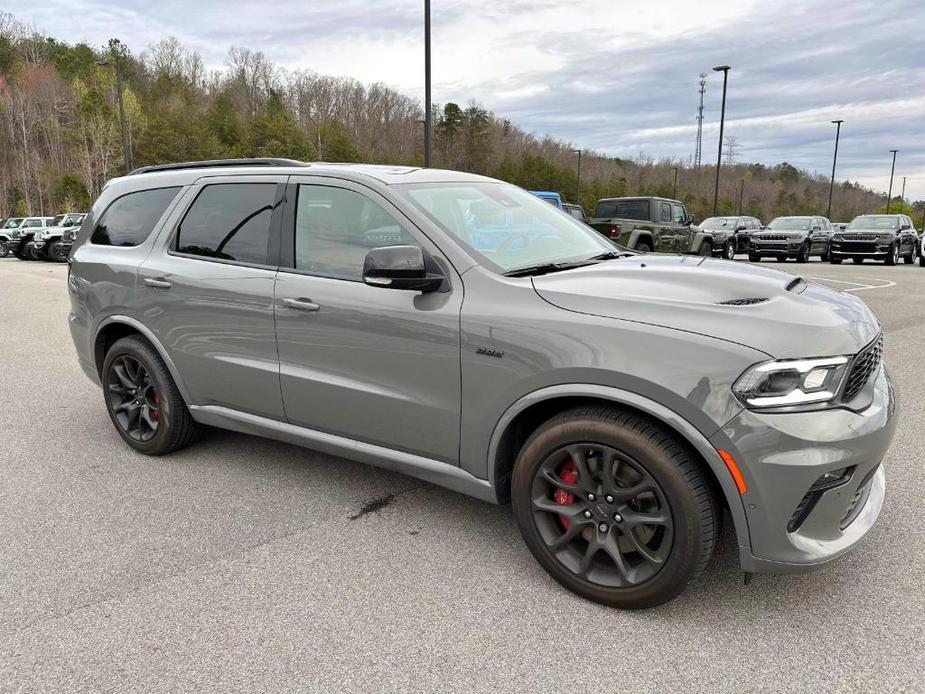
pixel 617 76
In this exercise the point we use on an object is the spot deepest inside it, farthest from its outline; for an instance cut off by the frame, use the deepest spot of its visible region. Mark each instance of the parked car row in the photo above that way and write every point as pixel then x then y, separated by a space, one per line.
pixel 40 238
pixel 663 225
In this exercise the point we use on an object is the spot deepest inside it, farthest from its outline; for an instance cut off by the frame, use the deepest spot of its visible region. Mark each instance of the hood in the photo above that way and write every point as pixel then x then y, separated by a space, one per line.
pixel 765 309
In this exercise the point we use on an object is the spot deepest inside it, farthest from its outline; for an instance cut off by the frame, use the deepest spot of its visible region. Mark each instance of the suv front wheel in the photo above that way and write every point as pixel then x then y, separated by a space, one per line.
pixel 613 507
pixel 143 401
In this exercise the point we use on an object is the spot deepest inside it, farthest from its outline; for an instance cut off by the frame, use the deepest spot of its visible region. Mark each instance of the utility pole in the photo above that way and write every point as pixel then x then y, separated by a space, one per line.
pixel 719 150
pixel 675 193
pixel 889 195
pixel 838 123
pixel 578 185
pixel 902 198
pixel 428 116
pixel 699 149
pixel 740 195
pixel 126 148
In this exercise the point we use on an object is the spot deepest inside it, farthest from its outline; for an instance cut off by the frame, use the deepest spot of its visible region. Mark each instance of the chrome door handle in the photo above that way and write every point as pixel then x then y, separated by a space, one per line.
pixel 302 304
pixel 157 282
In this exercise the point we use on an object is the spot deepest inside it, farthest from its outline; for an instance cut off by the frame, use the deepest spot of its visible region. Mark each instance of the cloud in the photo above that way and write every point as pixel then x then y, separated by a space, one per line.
pixel 620 78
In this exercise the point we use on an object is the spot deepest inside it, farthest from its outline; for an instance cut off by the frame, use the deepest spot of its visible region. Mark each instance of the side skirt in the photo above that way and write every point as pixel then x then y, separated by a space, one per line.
pixel 433 471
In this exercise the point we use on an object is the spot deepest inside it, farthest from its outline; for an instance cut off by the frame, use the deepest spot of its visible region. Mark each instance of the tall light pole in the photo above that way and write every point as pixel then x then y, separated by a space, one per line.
pixel 722 119
pixel 902 198
pixel 889 196
pixel 740 196
pixel 838 123
pixel 428 116
pixel 675 193
pixel 126 150
pixel 578 185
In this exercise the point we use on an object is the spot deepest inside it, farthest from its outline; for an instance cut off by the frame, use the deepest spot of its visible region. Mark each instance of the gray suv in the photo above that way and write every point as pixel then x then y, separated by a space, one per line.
pixel 463 331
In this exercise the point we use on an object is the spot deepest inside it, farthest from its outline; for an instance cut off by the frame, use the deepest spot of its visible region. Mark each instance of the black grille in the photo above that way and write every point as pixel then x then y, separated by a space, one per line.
pixel 864 366
pixel 748 301
pixel 772 237
pixel 861 237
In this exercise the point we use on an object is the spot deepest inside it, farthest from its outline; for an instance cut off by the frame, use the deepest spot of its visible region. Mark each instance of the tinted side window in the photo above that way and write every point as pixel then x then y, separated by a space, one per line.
pixel 230 221
pixel 664 213
pixel 128 221
pixel 335 228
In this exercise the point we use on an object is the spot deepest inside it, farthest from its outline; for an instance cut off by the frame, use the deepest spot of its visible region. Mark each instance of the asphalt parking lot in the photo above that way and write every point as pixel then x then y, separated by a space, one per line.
pixel 243 563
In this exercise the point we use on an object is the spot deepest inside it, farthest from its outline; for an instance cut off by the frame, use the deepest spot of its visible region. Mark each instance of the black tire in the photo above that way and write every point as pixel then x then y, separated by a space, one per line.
pixel 892 256
pixel 175 427
pixel 781 259
pixel 57 252
pixel 685 503
pixel 644 247
pixel 754 258
pixel 729 250
pixel 921 260
pixel 705 250
pixel 21 253
pixel 4 249
pixel 834 260
pixel 803 253
pixel 909 259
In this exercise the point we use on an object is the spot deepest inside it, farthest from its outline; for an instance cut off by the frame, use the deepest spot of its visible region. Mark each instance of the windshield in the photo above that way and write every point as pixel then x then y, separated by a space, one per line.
pixel 871 221
pixel 506 227
pixel 72 220
pixel 790 223
pixel 719 223
pixel 13 223
pixel 56 222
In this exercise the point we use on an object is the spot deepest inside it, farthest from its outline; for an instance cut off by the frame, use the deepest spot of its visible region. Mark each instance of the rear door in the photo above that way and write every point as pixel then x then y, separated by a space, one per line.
pixel 381 366
pixel 207 292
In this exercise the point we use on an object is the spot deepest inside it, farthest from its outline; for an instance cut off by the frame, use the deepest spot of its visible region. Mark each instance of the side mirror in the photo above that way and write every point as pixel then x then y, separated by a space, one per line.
pixel 905 226
pixel 741 227
pixel 399 267
pixel 689 220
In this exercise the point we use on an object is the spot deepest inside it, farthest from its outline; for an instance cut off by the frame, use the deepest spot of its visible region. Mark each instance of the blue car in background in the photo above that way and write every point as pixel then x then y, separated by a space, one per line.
pixel 553 199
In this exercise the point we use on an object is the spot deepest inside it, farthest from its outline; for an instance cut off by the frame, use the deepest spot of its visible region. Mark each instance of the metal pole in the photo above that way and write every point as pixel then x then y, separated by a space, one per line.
pixel 675 193
pixel 739 196
pixel 428 116
pixel 578 185
pixel 902 198
pixel 719 150
pixel 838 123
pixel 889 195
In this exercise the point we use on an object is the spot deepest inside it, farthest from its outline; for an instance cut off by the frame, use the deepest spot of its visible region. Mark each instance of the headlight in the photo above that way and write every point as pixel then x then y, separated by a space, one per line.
pixel 791 382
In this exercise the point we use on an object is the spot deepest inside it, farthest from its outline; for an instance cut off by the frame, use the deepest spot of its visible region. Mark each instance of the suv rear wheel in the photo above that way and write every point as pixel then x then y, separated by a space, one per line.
pixel 143 401
pixel 613 507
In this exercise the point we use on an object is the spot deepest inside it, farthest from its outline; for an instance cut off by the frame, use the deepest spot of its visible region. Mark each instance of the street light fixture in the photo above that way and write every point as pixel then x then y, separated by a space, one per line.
pixel 126 150
pixel 722 118
pixel 889 196
pixel 838 123
pixel 428 116
pixel 578 184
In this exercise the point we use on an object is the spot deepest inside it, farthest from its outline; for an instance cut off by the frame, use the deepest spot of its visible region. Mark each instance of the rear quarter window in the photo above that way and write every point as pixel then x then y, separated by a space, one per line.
pixel 130 219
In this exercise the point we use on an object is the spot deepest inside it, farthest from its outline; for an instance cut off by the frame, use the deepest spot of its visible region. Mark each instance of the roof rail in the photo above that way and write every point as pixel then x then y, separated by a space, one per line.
pixel 208 164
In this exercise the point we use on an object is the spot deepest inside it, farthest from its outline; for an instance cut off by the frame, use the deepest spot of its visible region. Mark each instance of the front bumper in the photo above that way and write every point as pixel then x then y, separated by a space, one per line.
pixel 778 248
pixel 782 455
pixel 860 249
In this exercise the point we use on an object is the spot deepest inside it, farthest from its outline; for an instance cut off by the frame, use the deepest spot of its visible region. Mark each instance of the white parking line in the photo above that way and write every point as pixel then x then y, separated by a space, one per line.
pixel 859 286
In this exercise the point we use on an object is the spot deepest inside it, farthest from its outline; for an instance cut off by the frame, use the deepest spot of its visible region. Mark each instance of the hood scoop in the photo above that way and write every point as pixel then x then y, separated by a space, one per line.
pixel 747 301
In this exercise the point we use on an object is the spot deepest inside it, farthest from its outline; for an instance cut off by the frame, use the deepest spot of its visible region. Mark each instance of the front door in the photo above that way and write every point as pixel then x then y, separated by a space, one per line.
pixel 376 365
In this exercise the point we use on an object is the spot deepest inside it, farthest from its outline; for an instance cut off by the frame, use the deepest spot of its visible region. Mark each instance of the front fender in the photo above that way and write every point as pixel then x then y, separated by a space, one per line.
pixel 668 417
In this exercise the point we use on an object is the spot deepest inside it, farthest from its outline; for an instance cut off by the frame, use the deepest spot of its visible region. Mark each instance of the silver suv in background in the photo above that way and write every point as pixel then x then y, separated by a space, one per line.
pixel 460 330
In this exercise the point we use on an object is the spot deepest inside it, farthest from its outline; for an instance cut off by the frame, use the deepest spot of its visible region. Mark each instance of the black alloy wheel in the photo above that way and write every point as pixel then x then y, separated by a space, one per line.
pixel 614 507
pixel 134 401
pixel 892 256
pixel 909 259
pixel 57 252
pixel 729 250
pixel 4 249
pixel 803 253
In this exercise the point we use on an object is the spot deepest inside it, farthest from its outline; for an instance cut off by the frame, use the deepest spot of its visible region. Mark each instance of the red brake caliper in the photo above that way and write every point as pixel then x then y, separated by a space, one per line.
pixel 156 410
pixel 568 473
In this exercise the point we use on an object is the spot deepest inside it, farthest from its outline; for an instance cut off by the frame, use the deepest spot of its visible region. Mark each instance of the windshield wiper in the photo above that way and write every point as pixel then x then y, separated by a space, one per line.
pixel 546 268
pixel 610 255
